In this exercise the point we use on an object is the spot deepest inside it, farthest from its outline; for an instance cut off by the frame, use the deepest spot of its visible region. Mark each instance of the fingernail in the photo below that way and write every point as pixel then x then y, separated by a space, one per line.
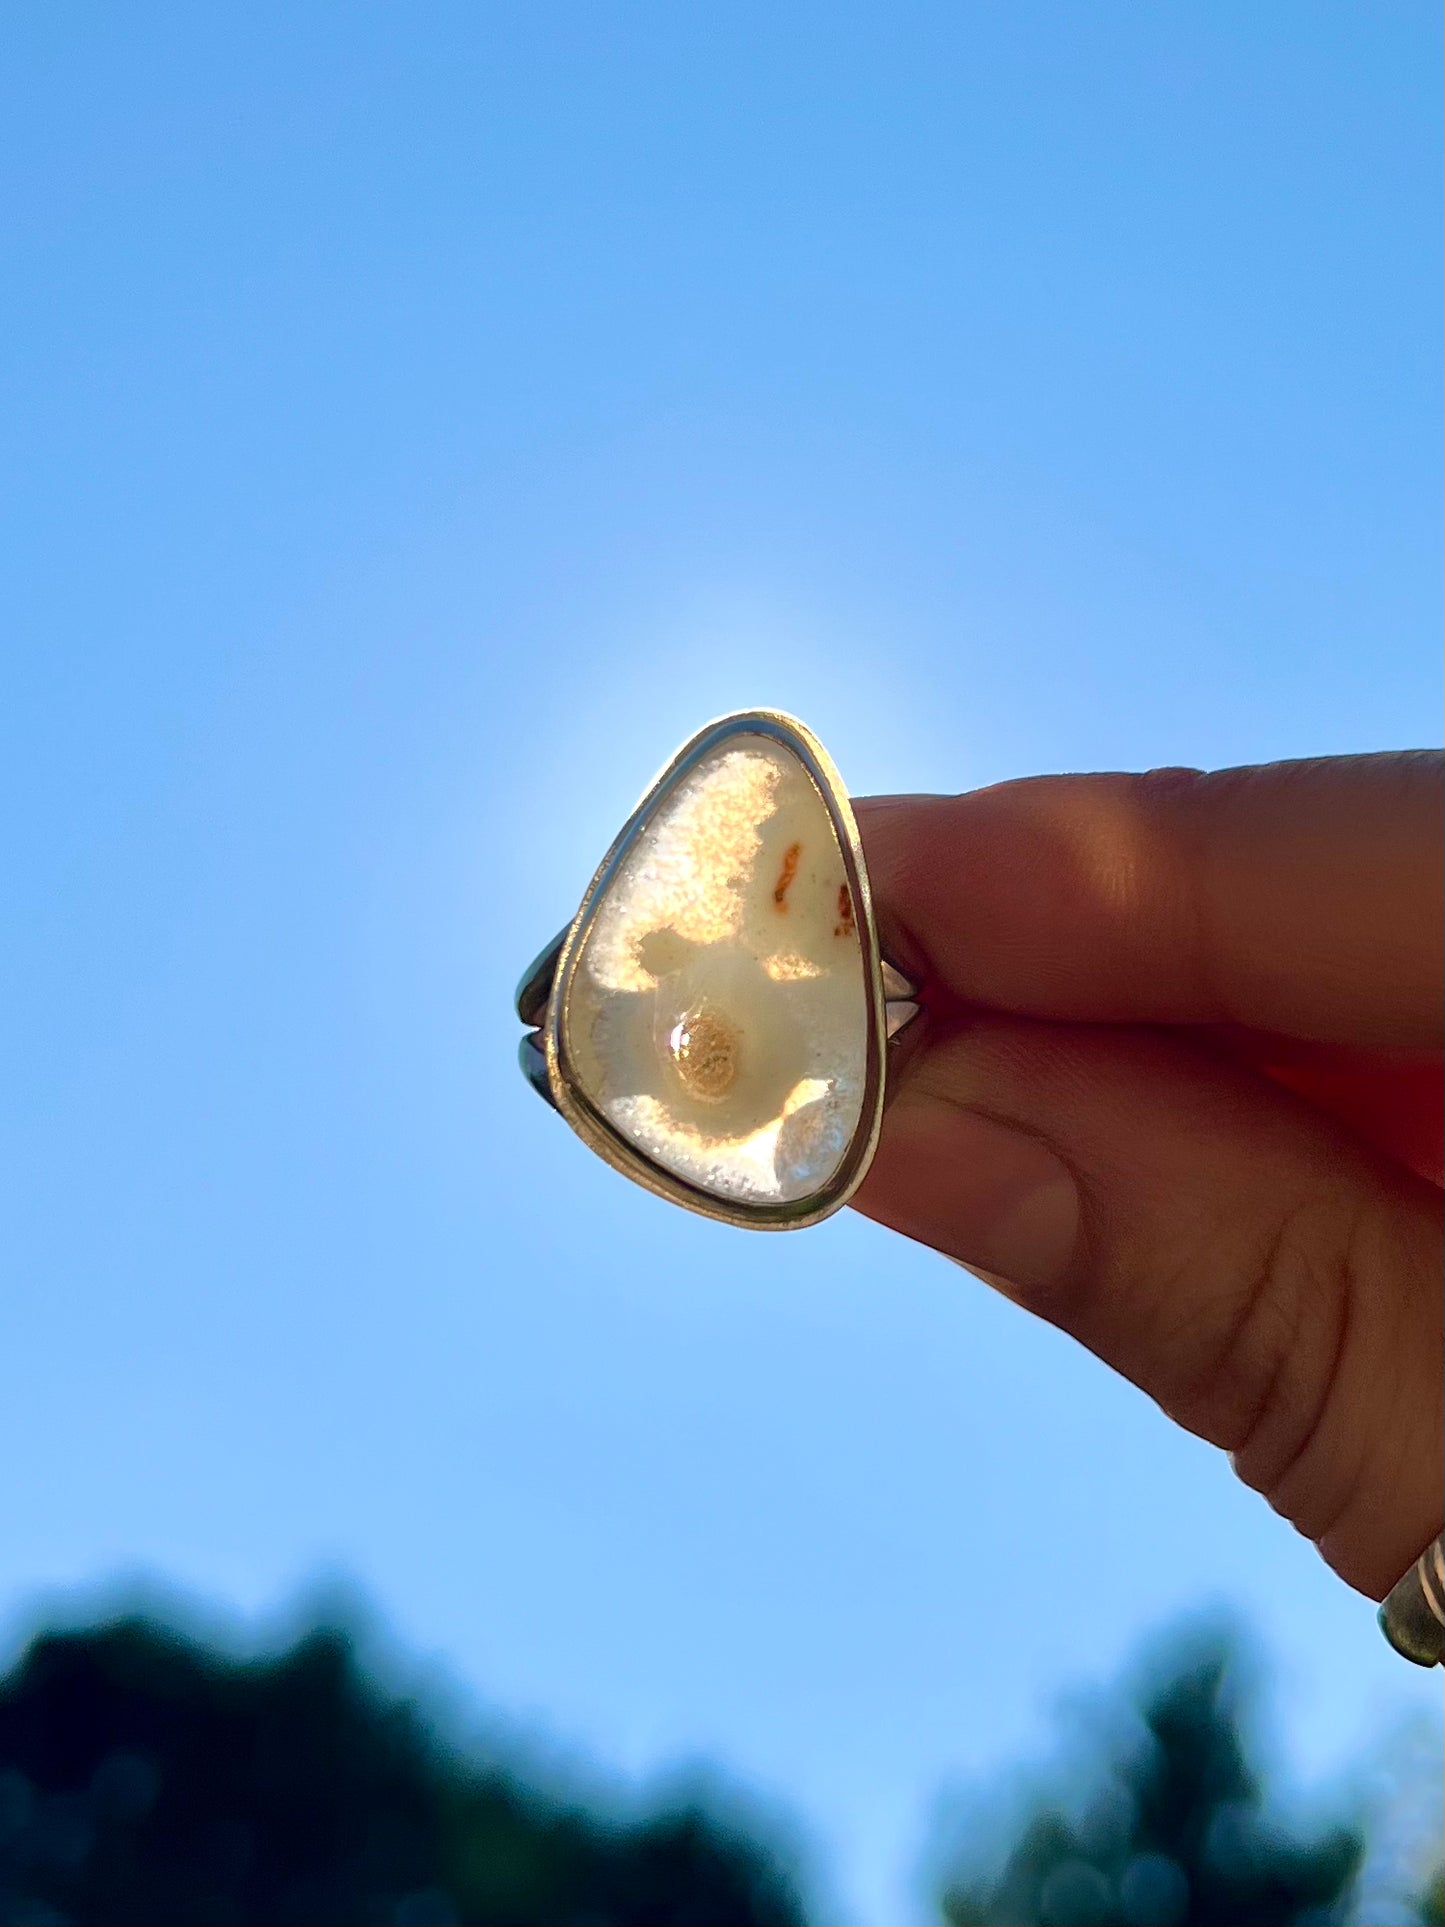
pixel 986 1193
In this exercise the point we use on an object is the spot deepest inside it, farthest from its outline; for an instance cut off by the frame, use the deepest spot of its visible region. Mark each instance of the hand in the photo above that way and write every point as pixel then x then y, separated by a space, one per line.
pixel 1178 1089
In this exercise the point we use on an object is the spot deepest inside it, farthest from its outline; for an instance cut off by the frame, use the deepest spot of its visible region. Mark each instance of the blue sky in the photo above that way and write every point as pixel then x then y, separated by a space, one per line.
pixel 413 423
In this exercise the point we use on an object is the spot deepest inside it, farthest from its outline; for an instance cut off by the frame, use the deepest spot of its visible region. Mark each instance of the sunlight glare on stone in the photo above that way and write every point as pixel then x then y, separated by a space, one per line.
pixel 718 1010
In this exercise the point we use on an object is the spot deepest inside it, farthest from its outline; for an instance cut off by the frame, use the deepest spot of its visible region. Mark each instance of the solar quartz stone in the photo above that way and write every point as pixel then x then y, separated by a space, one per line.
pixel 718 1015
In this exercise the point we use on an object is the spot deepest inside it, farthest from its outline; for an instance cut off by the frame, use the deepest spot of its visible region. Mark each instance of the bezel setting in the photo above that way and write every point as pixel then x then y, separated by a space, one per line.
pixel 544 998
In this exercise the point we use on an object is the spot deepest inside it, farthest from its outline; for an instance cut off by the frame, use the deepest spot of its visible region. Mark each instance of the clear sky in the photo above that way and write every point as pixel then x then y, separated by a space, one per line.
pixel 414 421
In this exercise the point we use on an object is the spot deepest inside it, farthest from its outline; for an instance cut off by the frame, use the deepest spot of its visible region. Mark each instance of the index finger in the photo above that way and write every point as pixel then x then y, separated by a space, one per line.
pixel 1306 898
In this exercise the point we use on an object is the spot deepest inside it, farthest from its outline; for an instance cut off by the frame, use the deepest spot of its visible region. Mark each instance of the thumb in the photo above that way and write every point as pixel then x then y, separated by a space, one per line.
pixel 1273 1284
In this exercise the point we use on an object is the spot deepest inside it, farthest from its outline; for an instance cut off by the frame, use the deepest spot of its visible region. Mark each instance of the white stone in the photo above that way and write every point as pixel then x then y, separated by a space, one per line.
pixel 717 1014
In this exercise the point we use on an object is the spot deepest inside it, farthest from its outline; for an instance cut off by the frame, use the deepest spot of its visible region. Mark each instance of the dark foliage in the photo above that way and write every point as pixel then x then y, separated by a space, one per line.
pixel 1432 1903
pixel 1173 1832
pixel 148 1781
pixel 145 1780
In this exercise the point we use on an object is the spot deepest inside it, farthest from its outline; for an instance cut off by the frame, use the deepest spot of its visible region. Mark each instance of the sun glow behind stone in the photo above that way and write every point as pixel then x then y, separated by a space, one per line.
pixel 687 878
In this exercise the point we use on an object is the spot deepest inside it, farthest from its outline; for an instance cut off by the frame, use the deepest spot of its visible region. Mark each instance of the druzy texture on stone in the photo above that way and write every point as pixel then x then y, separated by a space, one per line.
pixel 717 1014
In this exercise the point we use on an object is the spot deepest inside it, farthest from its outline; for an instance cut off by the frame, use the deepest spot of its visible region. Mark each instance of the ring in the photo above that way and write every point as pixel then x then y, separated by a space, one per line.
pixel 1413 1615
pixel 715 1021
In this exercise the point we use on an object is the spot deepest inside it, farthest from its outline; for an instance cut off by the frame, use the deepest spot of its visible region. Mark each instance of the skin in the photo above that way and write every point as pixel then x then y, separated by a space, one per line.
pixel 1177 1089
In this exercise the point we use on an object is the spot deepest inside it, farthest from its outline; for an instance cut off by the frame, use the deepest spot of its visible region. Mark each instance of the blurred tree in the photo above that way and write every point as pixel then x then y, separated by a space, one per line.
pixel 1171 1831
pixel 145 1780
pixel 1432 1902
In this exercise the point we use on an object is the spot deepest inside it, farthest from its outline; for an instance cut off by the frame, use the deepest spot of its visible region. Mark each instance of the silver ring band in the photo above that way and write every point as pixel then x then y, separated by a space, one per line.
pixel 1413 1615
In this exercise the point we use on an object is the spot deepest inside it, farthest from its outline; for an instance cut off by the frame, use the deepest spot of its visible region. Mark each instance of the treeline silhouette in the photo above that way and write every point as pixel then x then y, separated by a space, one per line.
pixel 1168 1823
pixel 148 1779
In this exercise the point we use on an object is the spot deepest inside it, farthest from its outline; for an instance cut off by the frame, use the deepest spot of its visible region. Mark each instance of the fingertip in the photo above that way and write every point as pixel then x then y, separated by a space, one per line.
pixel 985 1193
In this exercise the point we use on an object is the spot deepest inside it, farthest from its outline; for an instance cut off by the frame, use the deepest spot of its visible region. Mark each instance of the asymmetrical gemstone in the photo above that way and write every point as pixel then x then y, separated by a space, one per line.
pixel 718 1012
